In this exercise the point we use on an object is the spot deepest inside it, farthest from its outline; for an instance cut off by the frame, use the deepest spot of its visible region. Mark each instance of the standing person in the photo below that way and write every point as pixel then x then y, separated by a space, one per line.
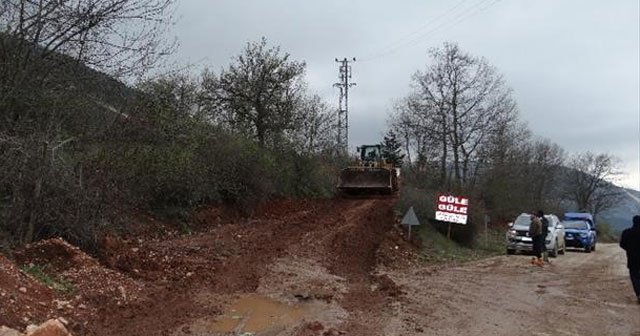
pixel 630 242
pixel 545 232
pixel 535 232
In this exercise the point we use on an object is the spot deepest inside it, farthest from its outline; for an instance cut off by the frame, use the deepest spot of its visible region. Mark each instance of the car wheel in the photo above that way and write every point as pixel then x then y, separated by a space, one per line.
pixel 554 252
pixel 510 251
pixel 587 249
pixel 593 248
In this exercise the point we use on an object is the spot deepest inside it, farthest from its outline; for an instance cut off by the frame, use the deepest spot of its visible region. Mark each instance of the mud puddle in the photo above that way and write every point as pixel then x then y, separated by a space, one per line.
pixel 255 313
pixel 260 315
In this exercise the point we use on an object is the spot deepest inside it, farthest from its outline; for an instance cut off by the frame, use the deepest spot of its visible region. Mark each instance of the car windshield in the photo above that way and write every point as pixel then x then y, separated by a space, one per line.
pixel 522 220
pixel 580 225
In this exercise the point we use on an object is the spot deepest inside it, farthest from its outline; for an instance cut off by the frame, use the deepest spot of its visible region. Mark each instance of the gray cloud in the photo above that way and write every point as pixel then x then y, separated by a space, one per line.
pixel 573 65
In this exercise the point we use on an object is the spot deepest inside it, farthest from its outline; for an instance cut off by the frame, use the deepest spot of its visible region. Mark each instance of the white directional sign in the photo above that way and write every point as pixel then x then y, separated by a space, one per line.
pixel 452 209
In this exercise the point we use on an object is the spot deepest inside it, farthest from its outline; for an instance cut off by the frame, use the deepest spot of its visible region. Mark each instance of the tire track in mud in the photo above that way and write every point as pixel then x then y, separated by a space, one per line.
pixel 353 247
pixel 342 235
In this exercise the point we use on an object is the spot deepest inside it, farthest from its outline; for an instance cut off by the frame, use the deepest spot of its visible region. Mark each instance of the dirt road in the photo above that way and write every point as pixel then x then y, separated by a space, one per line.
pixel 333 278
pixel 578 294
pixel 325 268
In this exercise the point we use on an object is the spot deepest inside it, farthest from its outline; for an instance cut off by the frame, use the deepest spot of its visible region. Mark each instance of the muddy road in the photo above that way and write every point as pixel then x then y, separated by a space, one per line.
pixel 327 268
pixel 341 270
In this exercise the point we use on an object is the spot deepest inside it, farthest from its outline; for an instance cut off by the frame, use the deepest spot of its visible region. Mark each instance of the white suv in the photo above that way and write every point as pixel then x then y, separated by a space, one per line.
pixel 518 239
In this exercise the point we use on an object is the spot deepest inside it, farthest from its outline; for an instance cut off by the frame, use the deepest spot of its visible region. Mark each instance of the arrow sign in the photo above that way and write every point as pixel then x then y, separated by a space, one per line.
pixel 410 218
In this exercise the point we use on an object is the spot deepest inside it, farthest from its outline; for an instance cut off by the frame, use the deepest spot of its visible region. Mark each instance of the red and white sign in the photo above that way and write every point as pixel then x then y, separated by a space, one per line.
pixel 452 209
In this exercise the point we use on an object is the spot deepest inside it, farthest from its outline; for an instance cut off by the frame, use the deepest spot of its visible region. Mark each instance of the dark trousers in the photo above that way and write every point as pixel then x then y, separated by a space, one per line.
pixel 538 245
pixel 635 281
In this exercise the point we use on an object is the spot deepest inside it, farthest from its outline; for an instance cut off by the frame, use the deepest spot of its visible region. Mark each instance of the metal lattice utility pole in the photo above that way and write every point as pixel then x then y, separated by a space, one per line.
pixel 343 111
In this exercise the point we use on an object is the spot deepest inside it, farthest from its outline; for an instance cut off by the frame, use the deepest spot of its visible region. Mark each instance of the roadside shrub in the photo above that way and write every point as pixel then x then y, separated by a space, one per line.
pixel 44 192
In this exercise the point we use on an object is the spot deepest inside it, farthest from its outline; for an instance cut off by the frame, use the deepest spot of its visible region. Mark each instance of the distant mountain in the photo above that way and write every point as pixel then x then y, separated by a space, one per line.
pixel 620 217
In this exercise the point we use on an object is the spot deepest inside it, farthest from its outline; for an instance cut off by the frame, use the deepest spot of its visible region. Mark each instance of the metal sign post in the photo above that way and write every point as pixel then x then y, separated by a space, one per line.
pixel 410 219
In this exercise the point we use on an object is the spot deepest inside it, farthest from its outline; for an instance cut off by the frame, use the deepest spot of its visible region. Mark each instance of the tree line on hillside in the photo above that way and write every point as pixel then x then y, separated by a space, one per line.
pixel 80 151
pixel 460 131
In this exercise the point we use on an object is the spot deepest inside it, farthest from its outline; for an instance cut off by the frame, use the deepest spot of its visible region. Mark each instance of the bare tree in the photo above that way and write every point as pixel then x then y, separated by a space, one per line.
pixel 589 182
pixel 458 102
pixel 116 36
pixel 46 46
pixel 258 94
pixel 53 60
pixel 316 126
pixel 522 172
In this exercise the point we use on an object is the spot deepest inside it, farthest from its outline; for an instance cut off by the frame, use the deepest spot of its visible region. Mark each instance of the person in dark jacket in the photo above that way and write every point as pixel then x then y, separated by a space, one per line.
pixel 535 232
pixel 630 242
pixel 545 232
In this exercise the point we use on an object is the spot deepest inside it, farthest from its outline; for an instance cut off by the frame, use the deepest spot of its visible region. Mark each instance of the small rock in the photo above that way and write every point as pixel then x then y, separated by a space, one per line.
pixel 122 292
pixel 302 296
pixel 22 289
pixel 5 331
pixel 61 304
pixel 315 326
pixel 49 328
pixel 63 320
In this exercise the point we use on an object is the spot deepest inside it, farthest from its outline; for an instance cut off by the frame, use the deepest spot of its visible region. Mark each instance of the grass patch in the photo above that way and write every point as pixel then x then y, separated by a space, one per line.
pixel 437 248
pixel 58 284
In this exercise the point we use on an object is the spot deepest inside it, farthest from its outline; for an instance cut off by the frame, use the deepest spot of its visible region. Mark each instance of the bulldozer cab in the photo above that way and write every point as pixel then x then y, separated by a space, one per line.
pixel 370 153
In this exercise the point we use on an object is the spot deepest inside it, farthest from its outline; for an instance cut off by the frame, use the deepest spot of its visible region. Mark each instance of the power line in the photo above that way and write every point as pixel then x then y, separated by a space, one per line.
pixel 463 15
pixel 343 101
pixel 421 27
pixel 459 18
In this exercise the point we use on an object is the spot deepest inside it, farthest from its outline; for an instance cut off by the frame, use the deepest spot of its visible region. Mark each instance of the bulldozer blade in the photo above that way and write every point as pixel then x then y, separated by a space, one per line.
pixel 366 180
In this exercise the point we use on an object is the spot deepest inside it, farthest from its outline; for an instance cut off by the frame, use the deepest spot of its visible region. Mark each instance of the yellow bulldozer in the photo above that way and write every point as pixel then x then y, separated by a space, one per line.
pixel 371 174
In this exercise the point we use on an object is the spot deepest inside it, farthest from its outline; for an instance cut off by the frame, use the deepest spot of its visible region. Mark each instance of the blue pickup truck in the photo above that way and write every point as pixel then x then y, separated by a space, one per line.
pixel 580 231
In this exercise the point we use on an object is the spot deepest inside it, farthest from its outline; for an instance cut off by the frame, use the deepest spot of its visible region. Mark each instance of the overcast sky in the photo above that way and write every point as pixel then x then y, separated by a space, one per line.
pixel 573 65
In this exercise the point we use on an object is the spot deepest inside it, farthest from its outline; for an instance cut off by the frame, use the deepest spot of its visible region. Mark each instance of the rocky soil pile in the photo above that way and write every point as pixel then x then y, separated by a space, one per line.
pixel 159 282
